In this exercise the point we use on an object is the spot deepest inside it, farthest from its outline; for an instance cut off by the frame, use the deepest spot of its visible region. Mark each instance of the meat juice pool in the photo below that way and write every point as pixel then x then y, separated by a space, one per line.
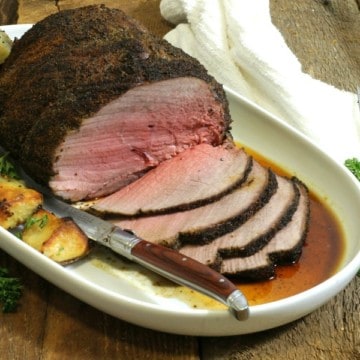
pixel 321 253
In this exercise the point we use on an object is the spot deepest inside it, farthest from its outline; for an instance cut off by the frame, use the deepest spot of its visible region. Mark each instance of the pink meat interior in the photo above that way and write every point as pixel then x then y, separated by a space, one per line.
pixel 138 130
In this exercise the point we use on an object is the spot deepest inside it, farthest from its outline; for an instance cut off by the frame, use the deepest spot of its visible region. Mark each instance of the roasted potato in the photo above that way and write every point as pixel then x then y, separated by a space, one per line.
pixel 39 227
pixel 17 203
pixel 57 238
pixel 67 243
pixel 5 46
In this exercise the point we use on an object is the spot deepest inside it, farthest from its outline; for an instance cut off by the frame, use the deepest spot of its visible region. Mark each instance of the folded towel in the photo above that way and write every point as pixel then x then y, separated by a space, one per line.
pixel 238 44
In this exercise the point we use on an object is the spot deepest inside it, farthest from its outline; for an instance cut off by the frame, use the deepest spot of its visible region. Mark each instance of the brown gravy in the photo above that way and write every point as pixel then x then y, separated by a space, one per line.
pixel 320 258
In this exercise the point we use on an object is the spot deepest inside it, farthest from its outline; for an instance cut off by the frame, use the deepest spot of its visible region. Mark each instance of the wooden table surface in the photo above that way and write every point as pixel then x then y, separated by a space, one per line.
pixel 51 324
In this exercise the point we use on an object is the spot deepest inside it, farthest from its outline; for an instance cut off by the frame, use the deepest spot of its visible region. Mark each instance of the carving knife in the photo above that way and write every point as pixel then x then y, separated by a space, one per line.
pixel 164 261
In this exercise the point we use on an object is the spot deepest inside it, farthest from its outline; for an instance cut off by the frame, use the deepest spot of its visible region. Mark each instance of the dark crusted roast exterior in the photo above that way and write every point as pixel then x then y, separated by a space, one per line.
pixel 68 66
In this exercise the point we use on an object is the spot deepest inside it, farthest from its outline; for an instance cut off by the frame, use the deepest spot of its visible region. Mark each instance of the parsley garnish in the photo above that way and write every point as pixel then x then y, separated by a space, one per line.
pixel 354 166
pixel 41 222
pixel 10 291
pixel 7 168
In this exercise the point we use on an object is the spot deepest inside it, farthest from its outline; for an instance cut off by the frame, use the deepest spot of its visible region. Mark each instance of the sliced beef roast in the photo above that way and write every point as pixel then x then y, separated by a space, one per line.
pixel 284 248
pixel 90 100
pixel 255 233
pixel 195 177
pixel 203 224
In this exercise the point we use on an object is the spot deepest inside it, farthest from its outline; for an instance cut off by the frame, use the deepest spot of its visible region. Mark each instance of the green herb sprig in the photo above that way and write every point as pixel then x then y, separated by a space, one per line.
pixel 41 222
pixel 7 168
pixel 10 291
pixel 354 166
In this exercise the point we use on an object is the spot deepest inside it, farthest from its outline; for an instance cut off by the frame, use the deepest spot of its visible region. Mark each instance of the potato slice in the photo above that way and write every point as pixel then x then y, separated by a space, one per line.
pixel 39 227
pixel 57 238
pixel 17 203
pixel 67 242
pixel 5 46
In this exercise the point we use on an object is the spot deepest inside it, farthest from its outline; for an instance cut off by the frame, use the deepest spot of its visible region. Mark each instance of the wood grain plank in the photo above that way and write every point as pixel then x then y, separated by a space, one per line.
pixel 332 332
pixel 76 330
pixel 146 11
pixel 325 36
pixel 8 12
pixel 24 329
pixel 51 324
pixel 31 11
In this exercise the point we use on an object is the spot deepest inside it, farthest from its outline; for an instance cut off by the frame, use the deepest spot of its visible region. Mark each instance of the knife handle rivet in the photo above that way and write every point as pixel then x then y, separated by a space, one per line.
pixel 221 280
pixel 184 259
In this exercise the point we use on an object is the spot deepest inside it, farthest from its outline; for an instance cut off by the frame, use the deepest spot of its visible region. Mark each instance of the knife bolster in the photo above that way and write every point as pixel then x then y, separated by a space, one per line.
pixel 122 242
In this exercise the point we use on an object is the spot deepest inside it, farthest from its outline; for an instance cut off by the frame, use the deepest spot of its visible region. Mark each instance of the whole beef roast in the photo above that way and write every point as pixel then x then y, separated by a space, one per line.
pixel 90 100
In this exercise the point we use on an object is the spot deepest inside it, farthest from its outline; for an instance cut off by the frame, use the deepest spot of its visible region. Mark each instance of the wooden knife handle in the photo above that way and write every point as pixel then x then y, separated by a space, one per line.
pixel 191 273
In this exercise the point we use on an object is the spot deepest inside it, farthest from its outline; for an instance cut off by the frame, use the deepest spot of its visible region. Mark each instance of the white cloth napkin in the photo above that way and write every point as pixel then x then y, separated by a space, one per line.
pixel 238 44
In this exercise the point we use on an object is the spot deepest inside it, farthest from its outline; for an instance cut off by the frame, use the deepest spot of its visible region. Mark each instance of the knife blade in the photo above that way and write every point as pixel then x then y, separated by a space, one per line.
pixel 162 260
